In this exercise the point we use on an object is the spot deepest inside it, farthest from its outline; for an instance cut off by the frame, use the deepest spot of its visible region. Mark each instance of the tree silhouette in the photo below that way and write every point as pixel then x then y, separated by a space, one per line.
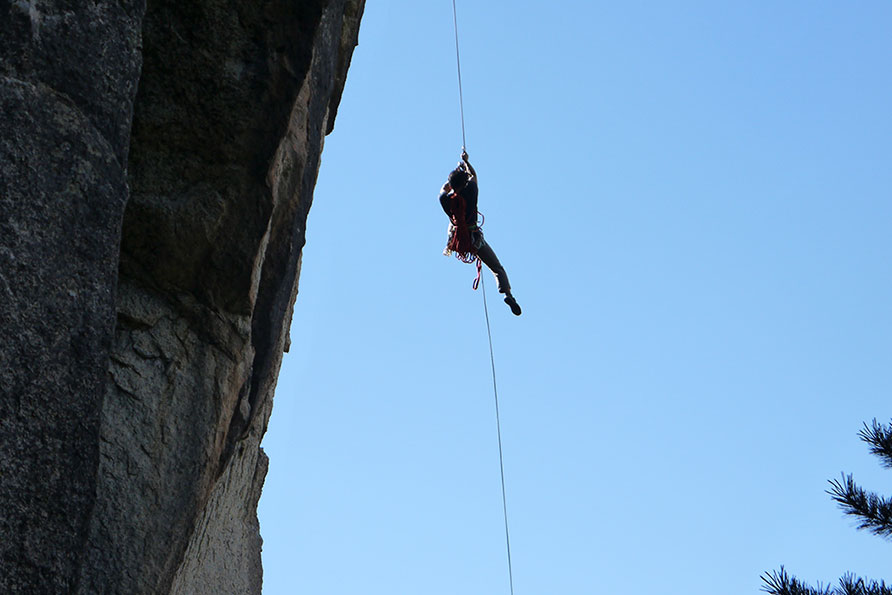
pixel 873 512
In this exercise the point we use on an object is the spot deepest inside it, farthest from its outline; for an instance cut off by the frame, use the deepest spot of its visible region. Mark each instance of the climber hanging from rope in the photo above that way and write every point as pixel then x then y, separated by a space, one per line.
pixel 458 197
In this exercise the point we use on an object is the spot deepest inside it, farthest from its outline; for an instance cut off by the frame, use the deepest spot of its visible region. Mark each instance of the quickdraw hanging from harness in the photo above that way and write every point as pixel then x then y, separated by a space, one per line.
pixel 461 241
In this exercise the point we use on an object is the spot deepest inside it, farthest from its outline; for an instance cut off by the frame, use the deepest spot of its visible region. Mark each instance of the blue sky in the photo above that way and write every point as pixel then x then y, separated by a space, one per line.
pixel 693 202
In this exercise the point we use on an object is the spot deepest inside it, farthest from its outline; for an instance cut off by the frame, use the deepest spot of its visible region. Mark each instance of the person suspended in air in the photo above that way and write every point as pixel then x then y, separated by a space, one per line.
pixel 458 197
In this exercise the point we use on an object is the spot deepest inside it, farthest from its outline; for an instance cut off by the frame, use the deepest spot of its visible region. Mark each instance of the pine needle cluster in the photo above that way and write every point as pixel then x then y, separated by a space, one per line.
pixel 874 513
pixel 781 583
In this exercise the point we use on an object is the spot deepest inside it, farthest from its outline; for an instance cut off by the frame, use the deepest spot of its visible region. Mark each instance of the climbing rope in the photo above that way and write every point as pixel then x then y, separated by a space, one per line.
pixel 492 359
pixel 495 393
pixel 461 99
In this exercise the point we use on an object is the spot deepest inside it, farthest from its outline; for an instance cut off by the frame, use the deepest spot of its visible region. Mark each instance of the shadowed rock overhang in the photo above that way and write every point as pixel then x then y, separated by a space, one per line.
pixel 157 164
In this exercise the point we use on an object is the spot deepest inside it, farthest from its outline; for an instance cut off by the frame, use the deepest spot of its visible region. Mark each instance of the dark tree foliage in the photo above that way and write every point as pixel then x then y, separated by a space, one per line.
pixel 781 583
pixel 873 512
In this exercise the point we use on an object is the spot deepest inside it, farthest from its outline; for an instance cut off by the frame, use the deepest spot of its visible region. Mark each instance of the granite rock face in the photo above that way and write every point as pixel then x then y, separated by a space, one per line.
pixel 64 134
pixel 157 164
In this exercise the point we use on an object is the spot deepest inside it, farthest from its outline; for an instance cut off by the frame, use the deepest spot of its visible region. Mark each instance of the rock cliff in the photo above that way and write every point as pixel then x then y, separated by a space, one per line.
pixel 157 164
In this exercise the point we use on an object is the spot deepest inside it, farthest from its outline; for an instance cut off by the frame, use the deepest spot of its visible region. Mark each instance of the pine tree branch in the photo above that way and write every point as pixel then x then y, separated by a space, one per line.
pixel 879 437
pixel 852 585
pixel 781 583
pixel 874 513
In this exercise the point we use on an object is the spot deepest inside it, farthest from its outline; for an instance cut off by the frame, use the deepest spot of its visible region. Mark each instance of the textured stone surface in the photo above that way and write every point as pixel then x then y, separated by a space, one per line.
pixel 223 555
pixel 291 178
pixel 130 454
pixel 64 132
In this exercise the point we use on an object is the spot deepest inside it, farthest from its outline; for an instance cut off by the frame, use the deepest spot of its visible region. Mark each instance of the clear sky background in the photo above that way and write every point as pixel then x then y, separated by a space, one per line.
pixel 693 201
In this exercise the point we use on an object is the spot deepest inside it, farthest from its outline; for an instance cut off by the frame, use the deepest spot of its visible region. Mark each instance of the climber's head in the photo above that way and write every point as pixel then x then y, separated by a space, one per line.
pixel 458 178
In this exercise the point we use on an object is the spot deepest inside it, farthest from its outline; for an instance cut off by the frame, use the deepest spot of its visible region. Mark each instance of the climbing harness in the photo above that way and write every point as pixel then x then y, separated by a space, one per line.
pixel 461 242
pixel 477 281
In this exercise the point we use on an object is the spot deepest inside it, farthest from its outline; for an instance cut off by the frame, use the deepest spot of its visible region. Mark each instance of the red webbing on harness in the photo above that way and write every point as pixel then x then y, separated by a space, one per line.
pixel 460 243
pixel 477 280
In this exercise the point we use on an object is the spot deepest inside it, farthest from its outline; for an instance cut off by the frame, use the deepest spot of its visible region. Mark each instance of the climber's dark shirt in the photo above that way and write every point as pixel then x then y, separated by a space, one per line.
pixel 469 193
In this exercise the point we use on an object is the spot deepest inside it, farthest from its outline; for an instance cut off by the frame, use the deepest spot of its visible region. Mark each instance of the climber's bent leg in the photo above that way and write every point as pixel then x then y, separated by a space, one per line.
pixel 489 258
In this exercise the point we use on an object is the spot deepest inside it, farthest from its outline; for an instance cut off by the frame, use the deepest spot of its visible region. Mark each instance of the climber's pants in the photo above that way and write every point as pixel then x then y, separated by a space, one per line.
pixel 489 258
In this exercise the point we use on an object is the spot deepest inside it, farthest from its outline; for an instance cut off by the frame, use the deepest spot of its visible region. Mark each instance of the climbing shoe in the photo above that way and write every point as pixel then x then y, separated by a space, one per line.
pixel 512 303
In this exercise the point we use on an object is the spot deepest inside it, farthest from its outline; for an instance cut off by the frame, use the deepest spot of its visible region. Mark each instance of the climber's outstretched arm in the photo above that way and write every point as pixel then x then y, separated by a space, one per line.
pixel 470 168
